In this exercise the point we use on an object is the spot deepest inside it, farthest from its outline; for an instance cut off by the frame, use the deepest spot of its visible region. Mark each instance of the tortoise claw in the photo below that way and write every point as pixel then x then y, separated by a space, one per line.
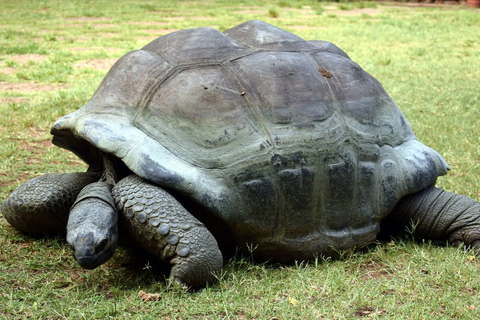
pixel 475 246
pixel 470 240
pixel 456 243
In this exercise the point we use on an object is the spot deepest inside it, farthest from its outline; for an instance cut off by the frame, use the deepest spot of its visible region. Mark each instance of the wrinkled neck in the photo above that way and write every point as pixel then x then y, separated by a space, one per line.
pixel 109 175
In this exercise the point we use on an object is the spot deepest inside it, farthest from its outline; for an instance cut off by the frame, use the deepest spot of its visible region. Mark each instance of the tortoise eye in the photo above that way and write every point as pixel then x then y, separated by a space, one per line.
pixel 102 244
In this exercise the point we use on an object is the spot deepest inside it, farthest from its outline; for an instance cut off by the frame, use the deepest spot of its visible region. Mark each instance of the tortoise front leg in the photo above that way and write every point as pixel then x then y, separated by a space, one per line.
pixel 440 215
pixel 41 205
pixel 156 220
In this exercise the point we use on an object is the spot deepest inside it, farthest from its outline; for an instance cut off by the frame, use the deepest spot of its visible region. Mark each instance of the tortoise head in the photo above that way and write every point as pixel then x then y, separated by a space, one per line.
pixel 91 248
pixel 92 229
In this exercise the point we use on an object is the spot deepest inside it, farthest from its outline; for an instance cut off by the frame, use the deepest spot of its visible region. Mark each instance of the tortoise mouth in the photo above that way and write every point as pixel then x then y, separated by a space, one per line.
pixel 90 253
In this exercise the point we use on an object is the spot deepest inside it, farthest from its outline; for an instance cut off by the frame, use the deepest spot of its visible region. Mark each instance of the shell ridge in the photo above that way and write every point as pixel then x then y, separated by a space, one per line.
pixel 260 124
pixel 157 54
pixel 260 34
pixel 339 114
pixel 190 45
pixel 158 77
pixel 253 100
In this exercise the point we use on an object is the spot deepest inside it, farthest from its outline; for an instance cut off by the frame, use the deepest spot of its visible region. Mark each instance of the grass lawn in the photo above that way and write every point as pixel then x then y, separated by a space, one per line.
pixel 53 55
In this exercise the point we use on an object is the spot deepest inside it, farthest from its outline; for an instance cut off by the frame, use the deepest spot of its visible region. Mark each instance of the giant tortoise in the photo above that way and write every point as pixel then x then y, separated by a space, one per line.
pixel 252 137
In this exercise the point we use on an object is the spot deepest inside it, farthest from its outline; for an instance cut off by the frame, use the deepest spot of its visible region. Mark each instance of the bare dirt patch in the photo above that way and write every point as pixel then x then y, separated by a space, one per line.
pixel 352 12
pixel 188 18
pixel 191 2
pixel 159 32
pixel 104 25
pixel 108 34
pixel 108 50
pixel 73 25
pixel 8 100
pixel 146 40
pixel 252 12
pixel 24 58
pixel 28 87
pixel 7 70
pixel 154 34
pixel 368 312
pixel 385 5
pixel 39 139
pixel 97 64
pixel 36 145
pixel 148 23
pixel 303 27
pixel 443 4
pixel 375 270
pixel 82 19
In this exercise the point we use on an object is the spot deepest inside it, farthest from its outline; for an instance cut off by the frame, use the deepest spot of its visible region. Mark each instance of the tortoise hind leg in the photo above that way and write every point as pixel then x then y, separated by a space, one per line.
pixel 161 225
pixel 440 215
pixel 40 206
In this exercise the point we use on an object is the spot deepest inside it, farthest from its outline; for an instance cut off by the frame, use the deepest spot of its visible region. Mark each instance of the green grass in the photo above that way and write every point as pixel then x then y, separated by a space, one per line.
pixel 426 58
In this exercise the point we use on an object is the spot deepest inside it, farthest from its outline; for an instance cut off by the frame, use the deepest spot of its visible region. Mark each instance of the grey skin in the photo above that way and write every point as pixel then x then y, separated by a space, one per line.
pixel 92 228
pixel 253 137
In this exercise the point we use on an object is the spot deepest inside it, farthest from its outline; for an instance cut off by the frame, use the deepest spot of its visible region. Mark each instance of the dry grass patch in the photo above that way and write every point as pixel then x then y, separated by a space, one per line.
pixel 95 49
pixel 303 28
pixel 29 87
pixel 97 64
pixel 159 32
pixel 155 33
pixel 83 19
pixel 83 38
pixel 181 13
pixel 35 136
pixel 352 12
pixel 19 59
pixel 252 12
pixel 24 58
pixel 6 70
pixel 73 25
pixel 414 5
pixel 104 25
pixel 189 18
pixel 374 270
pixel 37 143
pixel 108 34
pixel 148 23
pixel 9 100
pixel 193 2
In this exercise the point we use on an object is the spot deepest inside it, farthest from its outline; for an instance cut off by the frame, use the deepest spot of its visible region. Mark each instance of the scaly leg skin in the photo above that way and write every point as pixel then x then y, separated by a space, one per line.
pixel 440 215
pixel 40 206
pixel 162 226
pixel 92 229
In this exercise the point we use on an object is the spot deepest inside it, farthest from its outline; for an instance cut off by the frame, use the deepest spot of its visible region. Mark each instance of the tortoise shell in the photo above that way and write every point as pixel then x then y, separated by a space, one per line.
pixel 289 142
